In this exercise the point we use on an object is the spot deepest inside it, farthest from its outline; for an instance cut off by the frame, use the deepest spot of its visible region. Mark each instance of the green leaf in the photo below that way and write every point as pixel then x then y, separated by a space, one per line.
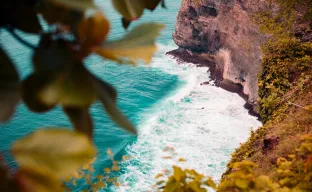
pixel 152 4
pixel 133 9
pixel 41 91
pixel 52 55
pixel 9 87
pixel 81 119
pixel 108 96
pixel 57 151
pixel 129 9
pixel 81 5
pixel 138 44
pixel 78 88
pixel 37 180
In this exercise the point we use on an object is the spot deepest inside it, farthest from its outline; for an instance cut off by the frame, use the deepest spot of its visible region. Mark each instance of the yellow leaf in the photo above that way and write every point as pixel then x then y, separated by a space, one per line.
pixel 181 160
pixel 107 170
pixel 171 185
pixel 116 184
pixel 91 169
pixel 88 181
pixel 308 108
pixel 76 175
pixel 109 152
pixel 68 179
pixel 38 180
pixel 86 166
pixel 57 151
pixel 93 30
pixel 124 158
pixel 242 184
pixel 99 177
pixel 167 157
pixel 158 176
pixel 115 168
pixel 211 183
pixel 178 173
pixel 195 186
pixel 160 182
pixel 100 184
pixel 138 44
pixel 168 149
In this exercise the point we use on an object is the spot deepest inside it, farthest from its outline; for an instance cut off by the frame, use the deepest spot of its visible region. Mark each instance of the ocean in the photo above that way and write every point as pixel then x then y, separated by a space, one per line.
pixel 166 102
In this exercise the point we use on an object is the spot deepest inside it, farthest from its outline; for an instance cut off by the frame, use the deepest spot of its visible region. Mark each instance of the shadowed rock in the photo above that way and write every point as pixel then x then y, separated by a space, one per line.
pixel 225 29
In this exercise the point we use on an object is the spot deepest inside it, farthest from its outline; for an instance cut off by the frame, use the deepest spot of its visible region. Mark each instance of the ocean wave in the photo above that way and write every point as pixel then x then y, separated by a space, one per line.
pixel 203 123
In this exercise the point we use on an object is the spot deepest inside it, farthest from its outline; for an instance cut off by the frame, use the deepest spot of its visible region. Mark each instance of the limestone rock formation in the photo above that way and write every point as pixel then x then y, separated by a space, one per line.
pixel 225 29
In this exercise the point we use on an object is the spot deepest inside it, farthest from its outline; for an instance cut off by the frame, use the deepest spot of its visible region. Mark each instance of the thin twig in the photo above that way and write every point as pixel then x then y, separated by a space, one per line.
pixel 19 39
pixel 294 104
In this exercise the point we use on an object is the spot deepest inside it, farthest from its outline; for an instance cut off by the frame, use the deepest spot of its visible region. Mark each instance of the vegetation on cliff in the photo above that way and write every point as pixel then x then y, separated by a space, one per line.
pixel 280 151
pixel 278 156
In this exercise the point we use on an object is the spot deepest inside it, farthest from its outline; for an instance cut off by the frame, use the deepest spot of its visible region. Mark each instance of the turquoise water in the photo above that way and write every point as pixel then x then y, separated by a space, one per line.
pixel 164 100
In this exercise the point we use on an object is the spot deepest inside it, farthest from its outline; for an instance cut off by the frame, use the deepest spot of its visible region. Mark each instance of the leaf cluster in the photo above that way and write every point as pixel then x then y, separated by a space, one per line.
pixel 293 173
pixel 285 62
pixel 74 29
pixel 185 180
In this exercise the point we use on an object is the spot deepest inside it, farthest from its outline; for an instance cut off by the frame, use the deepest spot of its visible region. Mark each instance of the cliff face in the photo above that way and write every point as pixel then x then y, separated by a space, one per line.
pixel 224 28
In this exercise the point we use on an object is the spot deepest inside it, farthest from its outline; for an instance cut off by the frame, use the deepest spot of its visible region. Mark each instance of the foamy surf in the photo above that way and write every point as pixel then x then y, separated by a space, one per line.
pixel 203 123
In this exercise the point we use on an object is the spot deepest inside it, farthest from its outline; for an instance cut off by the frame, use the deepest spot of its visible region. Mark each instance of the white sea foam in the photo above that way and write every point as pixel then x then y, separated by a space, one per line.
pixel 203 123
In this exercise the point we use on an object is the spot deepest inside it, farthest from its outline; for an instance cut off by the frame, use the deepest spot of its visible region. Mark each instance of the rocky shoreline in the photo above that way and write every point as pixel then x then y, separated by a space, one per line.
pixel 216 74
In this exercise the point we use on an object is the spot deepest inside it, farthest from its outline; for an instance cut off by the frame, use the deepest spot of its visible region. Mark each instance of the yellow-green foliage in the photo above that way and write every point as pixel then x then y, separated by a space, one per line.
pixel 185 180
pixel 285 61
pixel 286 70
pixel 303 6
pixel 246 149
pixel 293 173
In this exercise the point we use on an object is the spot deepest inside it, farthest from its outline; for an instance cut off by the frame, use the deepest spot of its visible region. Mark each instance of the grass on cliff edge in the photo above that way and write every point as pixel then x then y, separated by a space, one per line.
pixel 274 152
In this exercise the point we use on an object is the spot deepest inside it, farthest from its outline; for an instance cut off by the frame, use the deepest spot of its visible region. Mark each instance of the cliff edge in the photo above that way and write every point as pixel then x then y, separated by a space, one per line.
pixel 224 30
pixel 275 72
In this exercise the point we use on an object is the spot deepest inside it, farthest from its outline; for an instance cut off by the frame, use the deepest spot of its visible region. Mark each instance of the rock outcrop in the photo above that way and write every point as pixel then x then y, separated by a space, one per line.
pixel 224 28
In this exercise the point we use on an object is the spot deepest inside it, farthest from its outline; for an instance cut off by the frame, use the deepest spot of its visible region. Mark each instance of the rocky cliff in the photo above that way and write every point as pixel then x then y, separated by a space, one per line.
pixel 223 29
